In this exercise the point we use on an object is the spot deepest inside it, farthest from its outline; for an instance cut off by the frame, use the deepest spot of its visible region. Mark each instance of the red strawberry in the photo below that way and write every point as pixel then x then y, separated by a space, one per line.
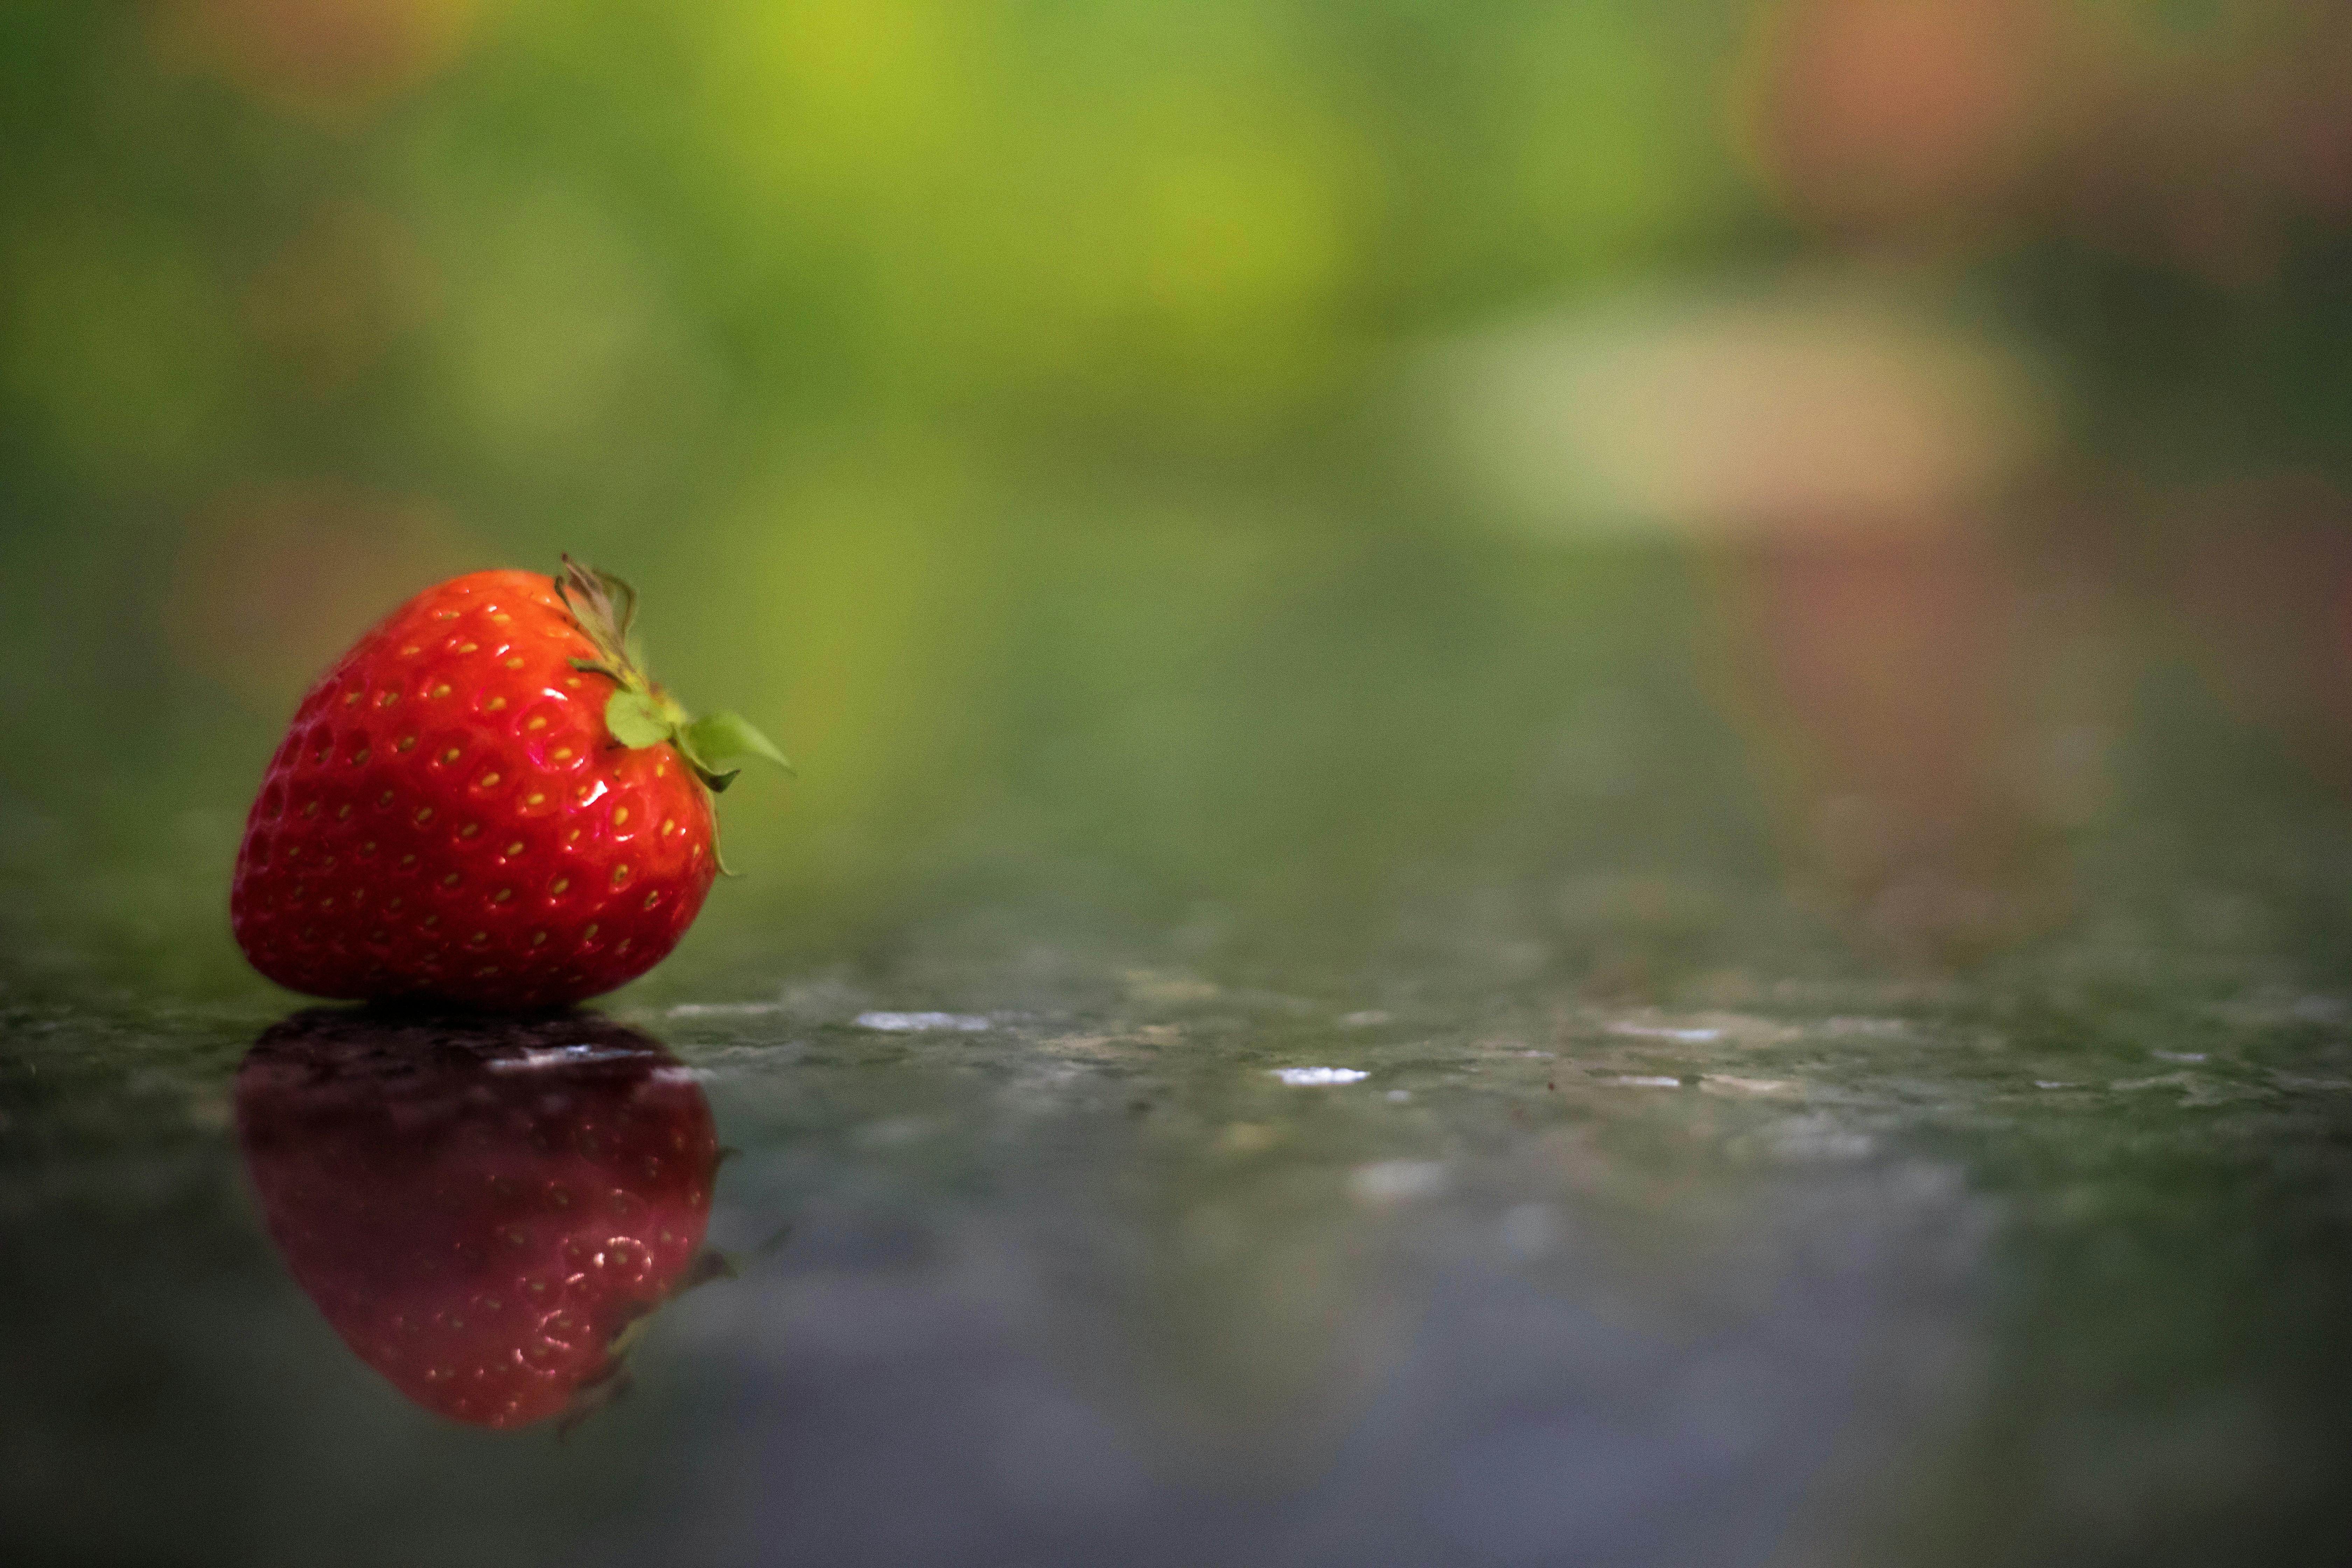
pixel 479 1213
pixel 486 802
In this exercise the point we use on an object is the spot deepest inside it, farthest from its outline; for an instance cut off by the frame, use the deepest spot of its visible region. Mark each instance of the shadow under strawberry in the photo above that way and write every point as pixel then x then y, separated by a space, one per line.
pixel 485 1212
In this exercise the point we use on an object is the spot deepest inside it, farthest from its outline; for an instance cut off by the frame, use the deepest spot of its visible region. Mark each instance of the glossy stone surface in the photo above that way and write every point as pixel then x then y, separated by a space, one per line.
pixel 1895 1271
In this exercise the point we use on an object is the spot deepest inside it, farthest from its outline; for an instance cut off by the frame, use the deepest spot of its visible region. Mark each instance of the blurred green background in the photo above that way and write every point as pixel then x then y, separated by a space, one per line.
pixel 1590 487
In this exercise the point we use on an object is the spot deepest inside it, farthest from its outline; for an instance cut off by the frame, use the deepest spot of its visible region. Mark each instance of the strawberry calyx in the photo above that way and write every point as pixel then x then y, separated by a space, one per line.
pixel 639 712
pixel 612 1382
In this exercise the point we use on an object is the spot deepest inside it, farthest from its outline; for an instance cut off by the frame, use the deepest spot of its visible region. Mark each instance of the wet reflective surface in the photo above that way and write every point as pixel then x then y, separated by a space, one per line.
pixel 1093 1260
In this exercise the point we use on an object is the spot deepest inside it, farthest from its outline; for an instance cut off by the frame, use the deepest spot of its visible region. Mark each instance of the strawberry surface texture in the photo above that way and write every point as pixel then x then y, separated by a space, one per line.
pixel 484 1213
pixel 483 802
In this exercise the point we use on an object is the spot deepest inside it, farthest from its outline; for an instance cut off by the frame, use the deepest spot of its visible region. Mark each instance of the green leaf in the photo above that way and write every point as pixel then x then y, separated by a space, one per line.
pixel 722 735
pixel 635 718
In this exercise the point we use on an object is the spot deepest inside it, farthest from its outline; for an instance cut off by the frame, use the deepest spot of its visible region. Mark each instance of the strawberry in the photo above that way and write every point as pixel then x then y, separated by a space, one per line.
pixel 481 1213
pixel 485 802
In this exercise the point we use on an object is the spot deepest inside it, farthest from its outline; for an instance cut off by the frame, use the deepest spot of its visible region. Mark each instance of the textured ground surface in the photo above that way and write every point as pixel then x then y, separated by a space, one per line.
pixel 1906 1271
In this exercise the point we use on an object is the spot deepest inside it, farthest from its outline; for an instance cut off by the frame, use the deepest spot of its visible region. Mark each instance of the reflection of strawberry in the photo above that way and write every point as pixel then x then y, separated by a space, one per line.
pixel 479 1212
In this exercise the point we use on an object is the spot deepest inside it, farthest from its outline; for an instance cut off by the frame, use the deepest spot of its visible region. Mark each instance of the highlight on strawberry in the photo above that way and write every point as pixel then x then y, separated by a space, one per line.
pixel 487 1215
pixel 486 801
